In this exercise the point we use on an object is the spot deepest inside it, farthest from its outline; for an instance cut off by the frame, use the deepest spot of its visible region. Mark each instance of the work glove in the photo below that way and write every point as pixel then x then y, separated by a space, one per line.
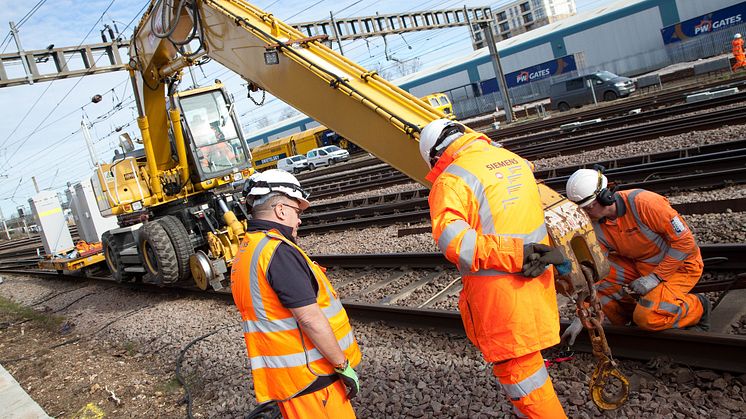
pixel 571 333
pixel 643 284
pixel 350 380
pixel 537 256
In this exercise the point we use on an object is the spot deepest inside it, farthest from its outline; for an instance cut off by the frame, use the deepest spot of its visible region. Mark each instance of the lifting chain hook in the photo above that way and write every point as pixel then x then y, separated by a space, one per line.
pixel 590 313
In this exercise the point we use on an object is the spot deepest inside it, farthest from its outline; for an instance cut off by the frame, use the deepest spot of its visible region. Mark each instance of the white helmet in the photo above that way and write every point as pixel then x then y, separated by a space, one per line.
pixel 584 185
pixel 275 180
pixel 737 36
pixel 436 137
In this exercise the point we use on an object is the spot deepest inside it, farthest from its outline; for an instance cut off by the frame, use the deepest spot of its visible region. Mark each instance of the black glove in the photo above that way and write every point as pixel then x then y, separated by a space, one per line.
pixel 537 256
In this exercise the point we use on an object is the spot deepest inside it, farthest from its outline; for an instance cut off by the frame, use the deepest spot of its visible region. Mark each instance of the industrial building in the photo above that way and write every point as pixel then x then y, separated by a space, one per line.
pixel 626 37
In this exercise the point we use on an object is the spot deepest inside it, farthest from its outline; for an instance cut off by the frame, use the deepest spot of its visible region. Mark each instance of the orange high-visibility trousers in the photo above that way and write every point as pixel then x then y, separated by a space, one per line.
pixel 740 61
pixel 667 306
pixel 330 402
pixel 527 385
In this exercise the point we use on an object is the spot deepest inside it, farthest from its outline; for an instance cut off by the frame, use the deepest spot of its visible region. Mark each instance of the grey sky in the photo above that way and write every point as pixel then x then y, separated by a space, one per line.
pixel 40 124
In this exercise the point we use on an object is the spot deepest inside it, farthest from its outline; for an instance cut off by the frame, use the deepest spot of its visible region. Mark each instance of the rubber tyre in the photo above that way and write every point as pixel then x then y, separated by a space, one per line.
pixel 181 243
pixel 563 107
pixel 311 166
pixel 158 254
pixel 609 96
pixel 113 262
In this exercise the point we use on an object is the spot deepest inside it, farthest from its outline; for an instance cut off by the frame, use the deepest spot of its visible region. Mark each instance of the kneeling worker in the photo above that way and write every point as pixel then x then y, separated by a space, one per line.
pixel 487 219
pixel 299 339
pixel 655 260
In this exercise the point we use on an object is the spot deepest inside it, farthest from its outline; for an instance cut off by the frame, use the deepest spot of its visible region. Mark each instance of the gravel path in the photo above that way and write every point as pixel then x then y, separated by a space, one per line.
pixel 405 373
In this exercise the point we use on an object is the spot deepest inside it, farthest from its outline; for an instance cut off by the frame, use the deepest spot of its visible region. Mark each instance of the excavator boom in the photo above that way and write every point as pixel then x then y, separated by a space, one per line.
pixel 273 56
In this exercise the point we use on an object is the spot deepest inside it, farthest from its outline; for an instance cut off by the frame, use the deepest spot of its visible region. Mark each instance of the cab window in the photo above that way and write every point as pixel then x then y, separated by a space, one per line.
pixel 433 101
pixel 444 100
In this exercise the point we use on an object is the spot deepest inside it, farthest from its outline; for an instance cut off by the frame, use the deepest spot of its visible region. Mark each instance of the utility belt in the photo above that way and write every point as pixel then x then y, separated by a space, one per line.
pixel 320 383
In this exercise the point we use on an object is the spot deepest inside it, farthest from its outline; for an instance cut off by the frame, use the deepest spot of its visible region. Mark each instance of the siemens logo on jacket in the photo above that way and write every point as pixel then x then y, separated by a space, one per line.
pixel 503 163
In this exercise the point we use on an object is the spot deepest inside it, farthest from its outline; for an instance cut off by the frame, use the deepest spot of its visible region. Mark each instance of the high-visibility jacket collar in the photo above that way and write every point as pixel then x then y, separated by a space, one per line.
pixel 451 152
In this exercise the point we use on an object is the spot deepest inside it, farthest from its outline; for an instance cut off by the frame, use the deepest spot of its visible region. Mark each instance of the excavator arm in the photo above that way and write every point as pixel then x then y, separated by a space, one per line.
pixel 273 56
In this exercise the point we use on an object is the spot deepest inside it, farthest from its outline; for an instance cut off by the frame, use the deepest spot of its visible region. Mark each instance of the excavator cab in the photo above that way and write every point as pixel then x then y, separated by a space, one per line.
pixel 216 144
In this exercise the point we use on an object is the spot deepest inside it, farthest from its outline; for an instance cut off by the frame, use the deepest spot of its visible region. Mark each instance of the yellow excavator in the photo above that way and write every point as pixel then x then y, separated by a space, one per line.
pixel 177 212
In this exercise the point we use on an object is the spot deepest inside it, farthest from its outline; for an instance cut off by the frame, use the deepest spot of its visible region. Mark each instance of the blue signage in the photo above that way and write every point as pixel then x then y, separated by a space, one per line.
pixel 711 22
pixel 527 75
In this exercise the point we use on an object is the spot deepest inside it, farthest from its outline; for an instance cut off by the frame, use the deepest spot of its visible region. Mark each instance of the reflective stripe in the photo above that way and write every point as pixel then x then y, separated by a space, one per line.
pixel 477 189
pixel 467 250
pixel 671 308
pixel 535 236
pixel 677 254
pixel 297 359
pixel 683 313
pixel 646 303
pixel 282 325
pixel 527 385
pixel 606 284
pixel 449 233
pixel 256 295
pixel 654 237
pixel 269 326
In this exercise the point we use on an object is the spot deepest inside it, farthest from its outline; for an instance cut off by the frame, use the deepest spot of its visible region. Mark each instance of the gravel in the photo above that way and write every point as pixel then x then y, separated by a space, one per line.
pixel 657 145
pixel 406 373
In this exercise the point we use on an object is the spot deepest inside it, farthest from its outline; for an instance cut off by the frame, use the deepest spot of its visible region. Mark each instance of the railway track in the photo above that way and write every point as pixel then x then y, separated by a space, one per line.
pixel 702 167
pixel 558 133
pixel 606 110
pixel 699 349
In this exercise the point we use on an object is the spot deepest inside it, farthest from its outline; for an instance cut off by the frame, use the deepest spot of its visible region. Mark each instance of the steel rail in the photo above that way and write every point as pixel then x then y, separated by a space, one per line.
pixel 604 124
pixel 659 176
pixel 631 134
pixel 620 108
pixel 698 349
pixel 719 257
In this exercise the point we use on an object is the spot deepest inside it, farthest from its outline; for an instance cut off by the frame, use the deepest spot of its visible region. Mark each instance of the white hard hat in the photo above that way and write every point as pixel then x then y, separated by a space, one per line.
pixel 436 136
pixel 275 180
pixel 736 36
pixel 583 186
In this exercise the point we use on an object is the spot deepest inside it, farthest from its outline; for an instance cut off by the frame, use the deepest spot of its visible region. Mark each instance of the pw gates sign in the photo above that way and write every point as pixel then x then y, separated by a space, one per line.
pixel 701 25
pixel 527 75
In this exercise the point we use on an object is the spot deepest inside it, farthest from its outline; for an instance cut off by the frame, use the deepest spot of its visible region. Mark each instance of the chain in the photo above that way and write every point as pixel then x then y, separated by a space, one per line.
pixel 591 315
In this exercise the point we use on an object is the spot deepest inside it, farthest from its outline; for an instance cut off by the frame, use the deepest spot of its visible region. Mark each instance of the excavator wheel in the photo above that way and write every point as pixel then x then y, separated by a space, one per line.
pixel 111 253
pixel 180 241
pixel 158 254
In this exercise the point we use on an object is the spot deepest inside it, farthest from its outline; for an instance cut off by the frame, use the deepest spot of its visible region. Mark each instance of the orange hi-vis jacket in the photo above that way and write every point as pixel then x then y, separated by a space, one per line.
pixel 284 361
pixel 650 233
pixel 737 45
pixel 484 206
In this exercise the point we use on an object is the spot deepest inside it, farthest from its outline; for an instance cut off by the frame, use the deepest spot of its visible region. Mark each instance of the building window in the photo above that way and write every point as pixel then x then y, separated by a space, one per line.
pixel 504 27
pixel 527 18
pixel 525 7
pixel 502 16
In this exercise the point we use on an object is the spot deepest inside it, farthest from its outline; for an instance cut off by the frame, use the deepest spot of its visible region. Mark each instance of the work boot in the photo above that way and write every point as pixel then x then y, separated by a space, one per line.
pixel 704 321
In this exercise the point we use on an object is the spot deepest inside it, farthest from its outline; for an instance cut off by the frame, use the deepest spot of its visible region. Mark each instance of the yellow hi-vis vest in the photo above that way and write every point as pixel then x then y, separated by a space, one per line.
pixel 284 361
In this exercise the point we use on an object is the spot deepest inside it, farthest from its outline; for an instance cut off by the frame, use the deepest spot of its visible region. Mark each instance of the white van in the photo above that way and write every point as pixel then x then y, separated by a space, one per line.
pixel 325 156
pixel 293 164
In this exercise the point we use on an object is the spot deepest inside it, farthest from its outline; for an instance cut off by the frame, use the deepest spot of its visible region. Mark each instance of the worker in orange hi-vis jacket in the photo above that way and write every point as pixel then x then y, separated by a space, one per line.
pixel 488 220
pixel 655 260
pixel 738 52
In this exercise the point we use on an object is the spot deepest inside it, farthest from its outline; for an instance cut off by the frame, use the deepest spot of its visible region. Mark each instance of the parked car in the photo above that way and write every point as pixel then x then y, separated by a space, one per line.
pixel 325 156
pixel 576 92
pixel 293 164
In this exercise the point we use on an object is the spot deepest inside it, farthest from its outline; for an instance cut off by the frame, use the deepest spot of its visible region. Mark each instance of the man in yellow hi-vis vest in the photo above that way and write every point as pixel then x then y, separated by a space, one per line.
pixel 299 339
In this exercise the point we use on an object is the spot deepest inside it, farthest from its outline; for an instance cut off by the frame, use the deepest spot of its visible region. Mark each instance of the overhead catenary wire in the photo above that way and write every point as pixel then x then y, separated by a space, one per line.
pixel 46 90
